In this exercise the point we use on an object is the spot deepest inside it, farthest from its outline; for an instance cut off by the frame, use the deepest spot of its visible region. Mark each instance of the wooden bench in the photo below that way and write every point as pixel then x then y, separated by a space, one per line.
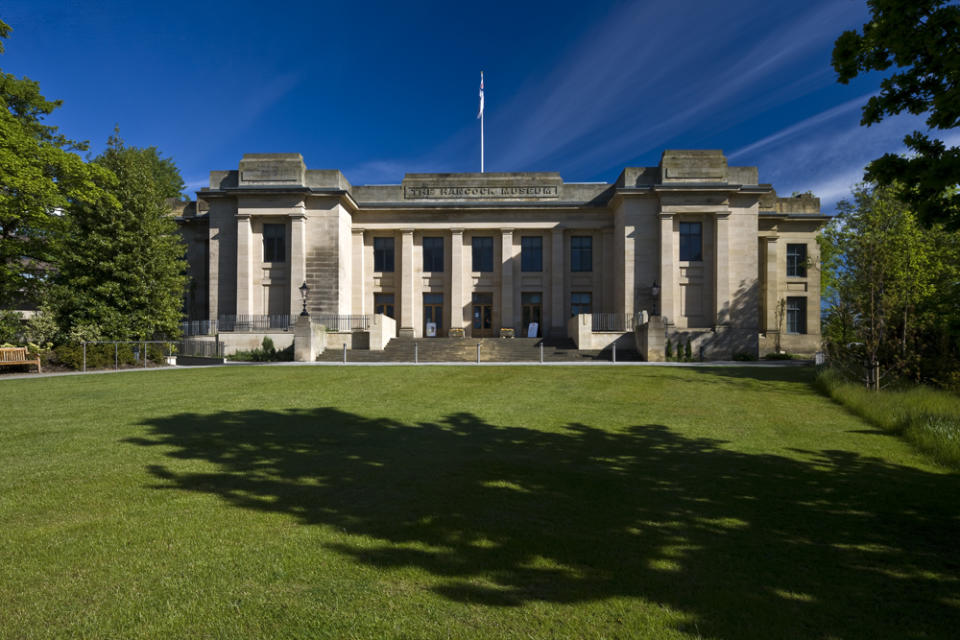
pixel 16 356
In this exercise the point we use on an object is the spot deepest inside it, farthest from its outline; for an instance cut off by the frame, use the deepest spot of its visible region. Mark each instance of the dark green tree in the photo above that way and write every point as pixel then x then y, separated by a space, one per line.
pixel 921 40
pixel 122 273
pixel 40 176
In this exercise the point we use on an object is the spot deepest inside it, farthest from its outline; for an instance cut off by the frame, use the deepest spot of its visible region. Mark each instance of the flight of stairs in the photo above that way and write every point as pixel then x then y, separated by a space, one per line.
pixel 465 350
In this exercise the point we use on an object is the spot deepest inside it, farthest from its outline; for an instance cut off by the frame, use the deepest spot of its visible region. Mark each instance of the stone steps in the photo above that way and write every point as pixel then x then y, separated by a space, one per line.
pixel 465 350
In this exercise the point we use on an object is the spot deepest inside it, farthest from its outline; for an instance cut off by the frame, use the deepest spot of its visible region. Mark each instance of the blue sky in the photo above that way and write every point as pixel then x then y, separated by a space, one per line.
pixel 379 89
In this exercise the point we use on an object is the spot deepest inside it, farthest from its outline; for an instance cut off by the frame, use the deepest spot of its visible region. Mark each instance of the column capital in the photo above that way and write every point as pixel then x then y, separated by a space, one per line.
pixel 506 232
pixel 242 216
pixel 771 239
pixel 297 215
pixel 456 232
pixel 407 232
pixel 721 215
pixel 357 232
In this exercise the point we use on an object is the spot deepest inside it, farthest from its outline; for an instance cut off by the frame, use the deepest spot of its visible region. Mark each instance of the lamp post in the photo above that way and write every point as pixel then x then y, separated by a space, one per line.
pixel 304 290
pixel 655 292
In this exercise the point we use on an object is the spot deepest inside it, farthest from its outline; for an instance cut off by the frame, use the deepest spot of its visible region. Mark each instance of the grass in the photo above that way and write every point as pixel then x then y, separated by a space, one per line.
pixel 929 418
pixel 465 502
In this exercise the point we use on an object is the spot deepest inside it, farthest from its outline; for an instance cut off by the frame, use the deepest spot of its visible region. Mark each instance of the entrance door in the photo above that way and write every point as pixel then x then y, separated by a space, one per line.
pixel 532 314
pixel 432 315
pixel 482 315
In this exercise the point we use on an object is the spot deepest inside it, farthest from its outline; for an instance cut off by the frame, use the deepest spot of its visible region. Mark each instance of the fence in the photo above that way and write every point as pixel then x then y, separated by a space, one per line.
pixel 342 322
pixel 138 349
pixel 249 322
pixel 609 322
pixel 201 348
pixel 198 327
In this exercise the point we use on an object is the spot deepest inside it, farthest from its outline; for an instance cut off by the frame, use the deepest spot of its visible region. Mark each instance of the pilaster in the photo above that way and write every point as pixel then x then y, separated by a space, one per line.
pixel 557 318
pixel 245 252
pixel 668 273
pixel 357 248
pixel 722 270
pixel 771 281
pixel 406 285
pixel 456 279
pixel 298 260
pixel 507 319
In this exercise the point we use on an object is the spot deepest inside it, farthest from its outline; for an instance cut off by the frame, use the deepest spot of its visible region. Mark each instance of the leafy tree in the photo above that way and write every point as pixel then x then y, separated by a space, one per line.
pixel 885 272
pixel 122 273
pixel 921 38
pixel 40 177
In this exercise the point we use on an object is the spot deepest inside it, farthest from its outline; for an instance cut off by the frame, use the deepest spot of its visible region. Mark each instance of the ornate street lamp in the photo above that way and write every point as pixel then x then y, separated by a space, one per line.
pixel 655 292
pixel 304 290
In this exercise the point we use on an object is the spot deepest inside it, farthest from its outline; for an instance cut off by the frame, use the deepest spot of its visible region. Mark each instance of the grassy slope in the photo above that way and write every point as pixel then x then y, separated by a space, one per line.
pixel 464 502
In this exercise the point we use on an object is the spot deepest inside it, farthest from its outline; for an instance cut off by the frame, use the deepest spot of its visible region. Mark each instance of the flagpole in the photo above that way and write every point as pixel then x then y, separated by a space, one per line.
pixel 481 122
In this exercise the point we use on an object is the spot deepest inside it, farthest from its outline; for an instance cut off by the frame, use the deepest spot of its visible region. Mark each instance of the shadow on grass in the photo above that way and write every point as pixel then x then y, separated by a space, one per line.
pixel 751 546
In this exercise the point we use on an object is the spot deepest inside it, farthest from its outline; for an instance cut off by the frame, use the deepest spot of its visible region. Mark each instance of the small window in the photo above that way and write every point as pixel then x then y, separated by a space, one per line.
pixel 580 303
pixel 531 253
pixel 796 261
pixel 691 241
pixel 796 315
pixel 483 254
pixel 383 254
pixel 433 254
pixel 383 303
pixel 581 253
pixel 274 246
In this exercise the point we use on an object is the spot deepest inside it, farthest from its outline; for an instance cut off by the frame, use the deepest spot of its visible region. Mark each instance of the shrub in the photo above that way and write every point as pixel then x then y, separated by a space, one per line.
pixel 11 327
pixel 773 355
pixel 688 352
pixel 743 356
pixel 669 351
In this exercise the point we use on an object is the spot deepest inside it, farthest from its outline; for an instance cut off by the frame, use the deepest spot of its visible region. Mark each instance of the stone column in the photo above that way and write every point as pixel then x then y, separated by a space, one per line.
pixel 668 273
pixel 298 260
pixel 359 302
pixel 770 298
pixel 506 279
pixel 722 271
pixel 245 251
pixel 406 285
pixel 558 320
pixel 456 279
pixel 606 275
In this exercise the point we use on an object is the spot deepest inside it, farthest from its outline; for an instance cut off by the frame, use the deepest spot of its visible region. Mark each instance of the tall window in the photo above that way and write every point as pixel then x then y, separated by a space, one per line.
pixel 581 253
pixel 796 315
pixel 383 303
pixel 691 241
pixel 274 247
pixel 580 303
pixel 433 254
pixel 531 253
pixel 383 254
pixel 482 253
pixel 797 260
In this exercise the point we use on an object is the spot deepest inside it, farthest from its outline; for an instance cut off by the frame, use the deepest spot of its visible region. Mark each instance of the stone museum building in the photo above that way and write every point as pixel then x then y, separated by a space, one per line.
pixel 690 250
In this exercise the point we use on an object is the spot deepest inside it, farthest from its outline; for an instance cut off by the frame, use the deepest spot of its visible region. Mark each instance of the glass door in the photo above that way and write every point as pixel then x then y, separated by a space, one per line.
pixel 482 315
pixel 432 315
pixel 532 304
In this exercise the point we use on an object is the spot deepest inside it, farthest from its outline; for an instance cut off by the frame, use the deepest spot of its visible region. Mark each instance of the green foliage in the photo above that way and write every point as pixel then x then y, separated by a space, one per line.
pixel 928 418
pixel 41 177
pixel 688 352
pixel 669 350
pixel 42 329
pixel 888 279
pixel 123 267
pixel 266 353
pixel 921 40
pixel 11 327
pixel 777 355
pixel 743 356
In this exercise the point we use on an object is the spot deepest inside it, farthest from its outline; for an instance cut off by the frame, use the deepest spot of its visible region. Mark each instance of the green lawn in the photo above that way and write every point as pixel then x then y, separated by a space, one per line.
pixel 463 502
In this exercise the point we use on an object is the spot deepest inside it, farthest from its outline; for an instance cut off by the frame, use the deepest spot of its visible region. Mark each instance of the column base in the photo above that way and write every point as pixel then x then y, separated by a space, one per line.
pixel 405 332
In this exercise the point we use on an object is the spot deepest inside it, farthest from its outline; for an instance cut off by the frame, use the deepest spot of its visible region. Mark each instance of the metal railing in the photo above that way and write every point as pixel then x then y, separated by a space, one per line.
pixel 201 348
pixel 251 322
pixel 608 322
pixel 343 322
pixel 198 327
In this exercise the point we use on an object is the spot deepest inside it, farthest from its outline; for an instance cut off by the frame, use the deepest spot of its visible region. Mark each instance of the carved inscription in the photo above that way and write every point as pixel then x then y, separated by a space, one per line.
pixel 468 191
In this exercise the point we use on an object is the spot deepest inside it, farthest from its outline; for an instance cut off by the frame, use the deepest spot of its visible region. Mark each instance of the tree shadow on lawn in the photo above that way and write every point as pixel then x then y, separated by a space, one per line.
pixel 751 546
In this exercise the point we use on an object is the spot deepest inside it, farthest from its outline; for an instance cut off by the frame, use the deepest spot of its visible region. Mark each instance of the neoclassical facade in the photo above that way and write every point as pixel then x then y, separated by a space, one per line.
pixel 704 246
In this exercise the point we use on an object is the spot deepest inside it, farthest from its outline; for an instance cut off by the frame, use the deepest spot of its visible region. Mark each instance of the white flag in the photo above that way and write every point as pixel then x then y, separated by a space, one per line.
pixel 480 113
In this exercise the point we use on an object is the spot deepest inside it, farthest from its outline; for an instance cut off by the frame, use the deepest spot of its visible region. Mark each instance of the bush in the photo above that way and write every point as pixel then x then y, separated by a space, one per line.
pixel 266 353
pixel 927 418
pixel 669 351
pixel 688 352
pixel 11 327
pixel 743 356
pixel 778 356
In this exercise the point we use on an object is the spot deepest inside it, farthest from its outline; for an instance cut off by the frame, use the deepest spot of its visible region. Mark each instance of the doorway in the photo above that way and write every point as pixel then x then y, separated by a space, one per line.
pixel 532 304
pixel 482 315
pixel 432 315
